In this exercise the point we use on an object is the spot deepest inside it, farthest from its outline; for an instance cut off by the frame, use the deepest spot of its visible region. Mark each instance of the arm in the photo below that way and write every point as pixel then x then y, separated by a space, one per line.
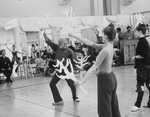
pixel 98 46
pixel 88 42
pixel 20 52
pixel 7 47
pixel 137 57
pixel 102 55
pixel 50 43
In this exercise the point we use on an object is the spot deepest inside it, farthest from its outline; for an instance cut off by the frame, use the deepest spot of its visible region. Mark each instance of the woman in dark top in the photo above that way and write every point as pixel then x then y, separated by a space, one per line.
pixel 14 56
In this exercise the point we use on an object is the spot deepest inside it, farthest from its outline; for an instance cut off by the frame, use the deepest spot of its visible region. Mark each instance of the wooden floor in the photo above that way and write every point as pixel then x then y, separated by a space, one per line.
pixel 32 97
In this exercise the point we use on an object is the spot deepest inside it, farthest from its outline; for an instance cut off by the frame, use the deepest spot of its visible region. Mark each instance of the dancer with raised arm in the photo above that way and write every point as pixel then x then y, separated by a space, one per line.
pixel 61 52
pixel 106 79
pixel 14 55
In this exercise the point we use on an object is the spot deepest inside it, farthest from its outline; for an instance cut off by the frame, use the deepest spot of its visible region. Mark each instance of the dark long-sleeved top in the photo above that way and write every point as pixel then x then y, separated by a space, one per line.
pixel 143 49
pixel 60 53
pixel 5 63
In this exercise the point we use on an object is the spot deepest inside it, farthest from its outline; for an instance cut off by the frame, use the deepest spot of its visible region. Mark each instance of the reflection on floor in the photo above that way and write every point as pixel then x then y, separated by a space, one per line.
pixel 32 97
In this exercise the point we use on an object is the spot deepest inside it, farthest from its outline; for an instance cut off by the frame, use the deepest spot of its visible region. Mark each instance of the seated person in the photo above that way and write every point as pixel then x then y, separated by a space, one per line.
pixel 33 54
pixel 24 54
pixel 6 66
pixel 44 53
pixel 40 64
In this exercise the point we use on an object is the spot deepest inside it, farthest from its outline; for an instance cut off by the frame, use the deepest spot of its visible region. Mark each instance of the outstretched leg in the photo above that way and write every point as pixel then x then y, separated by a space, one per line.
pixel 73 88
pixel 53 87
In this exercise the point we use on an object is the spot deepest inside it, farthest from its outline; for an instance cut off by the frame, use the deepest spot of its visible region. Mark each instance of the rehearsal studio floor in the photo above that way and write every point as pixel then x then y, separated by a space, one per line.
pixel 32 97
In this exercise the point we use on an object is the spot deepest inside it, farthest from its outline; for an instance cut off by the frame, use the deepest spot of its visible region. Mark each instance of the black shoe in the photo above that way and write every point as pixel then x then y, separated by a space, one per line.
pixel 10 81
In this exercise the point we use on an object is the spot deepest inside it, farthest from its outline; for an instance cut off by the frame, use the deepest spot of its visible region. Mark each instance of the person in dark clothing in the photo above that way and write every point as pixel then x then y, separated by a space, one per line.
pixel 72 48
pixel 121 36
pixel 142 66
pixel 37 51
pixel 6 66
pixel 14 56
pixel 33 54
pixel 129 33
pixel 44 54
pixel 61 51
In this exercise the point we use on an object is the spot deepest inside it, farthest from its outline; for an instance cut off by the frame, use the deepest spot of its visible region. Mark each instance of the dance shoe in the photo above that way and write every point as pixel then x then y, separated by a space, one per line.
pixel 148 104
pixel 58 103
pixel 135 108
pixel 76 100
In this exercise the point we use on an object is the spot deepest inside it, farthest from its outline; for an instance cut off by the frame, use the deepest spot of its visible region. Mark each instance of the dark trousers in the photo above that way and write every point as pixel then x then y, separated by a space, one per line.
pixel 55 91
pixel 7 73
pixel 140 83
pixel 107 97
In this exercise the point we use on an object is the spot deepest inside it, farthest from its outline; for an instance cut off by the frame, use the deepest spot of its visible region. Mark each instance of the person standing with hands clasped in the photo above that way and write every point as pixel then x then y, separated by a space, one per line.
pixel 107 83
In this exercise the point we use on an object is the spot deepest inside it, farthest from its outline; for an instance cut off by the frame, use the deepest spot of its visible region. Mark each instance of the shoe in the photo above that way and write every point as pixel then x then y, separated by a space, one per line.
pixel 5 83
pixel 76 100
pixel 135 108
pixel 11 81
pixel 148 104
pixel 58 103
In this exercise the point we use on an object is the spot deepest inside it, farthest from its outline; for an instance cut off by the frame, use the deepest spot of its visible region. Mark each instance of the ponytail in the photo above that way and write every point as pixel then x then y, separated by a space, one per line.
pixel 110 32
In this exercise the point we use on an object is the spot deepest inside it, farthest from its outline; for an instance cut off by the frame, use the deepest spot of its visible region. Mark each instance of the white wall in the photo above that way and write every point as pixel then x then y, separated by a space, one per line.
pixel 115 6
pixel 136 6
pixel 34 8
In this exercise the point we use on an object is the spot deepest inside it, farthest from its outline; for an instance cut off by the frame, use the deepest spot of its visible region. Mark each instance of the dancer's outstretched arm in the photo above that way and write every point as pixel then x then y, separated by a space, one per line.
pixel 19 52
pixel 49 42
pixel 88 42
pixel 8 47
